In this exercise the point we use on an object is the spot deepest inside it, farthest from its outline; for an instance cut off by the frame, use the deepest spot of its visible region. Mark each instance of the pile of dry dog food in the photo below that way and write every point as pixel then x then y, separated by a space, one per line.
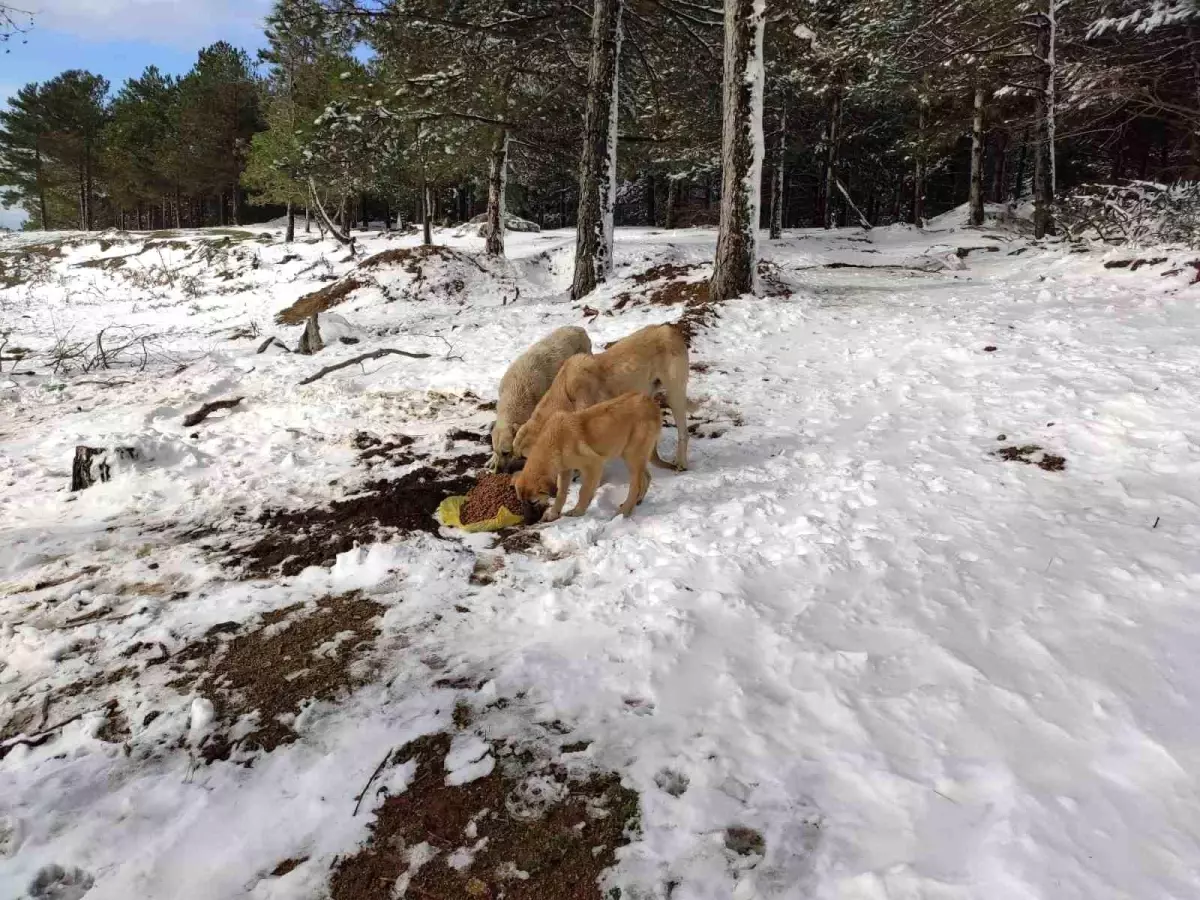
pixel 485 499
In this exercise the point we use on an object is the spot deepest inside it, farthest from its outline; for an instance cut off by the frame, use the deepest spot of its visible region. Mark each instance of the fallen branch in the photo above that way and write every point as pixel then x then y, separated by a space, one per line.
pixel 862 220
pixel 386 351
pixel 266 345
pixel 208 409
pixel 40 737
pixel 379 768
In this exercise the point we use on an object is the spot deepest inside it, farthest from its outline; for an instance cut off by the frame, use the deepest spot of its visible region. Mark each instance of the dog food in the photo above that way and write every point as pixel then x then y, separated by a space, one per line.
pixel 485 499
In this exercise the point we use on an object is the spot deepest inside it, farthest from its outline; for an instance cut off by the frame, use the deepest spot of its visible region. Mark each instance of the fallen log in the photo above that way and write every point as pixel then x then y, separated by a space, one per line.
pixel 208 409
pixel 377 354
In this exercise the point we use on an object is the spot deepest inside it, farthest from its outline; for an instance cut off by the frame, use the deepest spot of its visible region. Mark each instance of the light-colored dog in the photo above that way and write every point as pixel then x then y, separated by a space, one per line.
pixel 583 442
pixel 655 356
pixel 526 382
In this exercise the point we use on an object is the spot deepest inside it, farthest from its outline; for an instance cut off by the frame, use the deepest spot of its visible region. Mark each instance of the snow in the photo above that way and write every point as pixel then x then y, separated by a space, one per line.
pixel 918 670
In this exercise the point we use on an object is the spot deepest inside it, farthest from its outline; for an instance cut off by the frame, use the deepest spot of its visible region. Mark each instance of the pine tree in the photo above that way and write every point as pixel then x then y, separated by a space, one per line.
pixel 219 116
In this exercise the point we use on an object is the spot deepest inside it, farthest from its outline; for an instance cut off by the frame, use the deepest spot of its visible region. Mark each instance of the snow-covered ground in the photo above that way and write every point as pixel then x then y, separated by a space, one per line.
pixel 916 665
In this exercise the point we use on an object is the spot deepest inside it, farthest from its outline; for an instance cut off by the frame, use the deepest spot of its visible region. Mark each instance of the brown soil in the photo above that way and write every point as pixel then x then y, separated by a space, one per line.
pixel 294 655
pixel 519 540
pixel 487 496
pixel 296 539
pixel 288 865
pixel 1032 455
pixel 319 301
pixel 410 258
pixel 549 844
pixel 688 292
pixel 374 451
pixel 697 316
pixel 661 272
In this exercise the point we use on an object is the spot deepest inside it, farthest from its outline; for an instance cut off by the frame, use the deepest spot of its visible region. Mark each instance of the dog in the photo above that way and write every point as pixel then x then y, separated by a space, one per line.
pixel 583 442
pixel 526 382
pixel 653 357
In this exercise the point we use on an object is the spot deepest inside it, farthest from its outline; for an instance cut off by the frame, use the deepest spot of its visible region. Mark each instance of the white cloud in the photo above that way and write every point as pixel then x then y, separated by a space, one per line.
pixel 182 23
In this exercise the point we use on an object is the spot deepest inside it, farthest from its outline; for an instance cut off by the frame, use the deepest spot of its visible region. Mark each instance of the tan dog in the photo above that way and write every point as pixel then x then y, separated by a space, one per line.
pixel 653 356
pixel 583 442
pixel 526 382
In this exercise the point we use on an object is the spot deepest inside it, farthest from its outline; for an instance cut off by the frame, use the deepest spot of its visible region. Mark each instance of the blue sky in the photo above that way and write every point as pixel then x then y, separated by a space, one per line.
pixel 119 38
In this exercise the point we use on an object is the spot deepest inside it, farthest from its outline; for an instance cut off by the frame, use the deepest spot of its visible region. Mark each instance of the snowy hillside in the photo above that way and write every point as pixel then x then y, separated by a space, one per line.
pixel 920 621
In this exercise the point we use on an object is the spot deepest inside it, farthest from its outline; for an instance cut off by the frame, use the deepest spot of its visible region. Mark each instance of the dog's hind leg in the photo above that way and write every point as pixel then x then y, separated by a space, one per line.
pixel 677 400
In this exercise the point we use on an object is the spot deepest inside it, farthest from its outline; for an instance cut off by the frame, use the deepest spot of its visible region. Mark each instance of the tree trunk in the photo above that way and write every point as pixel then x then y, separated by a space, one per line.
pixel 221 209
pixel 1022 161
pixel 1043 155
pixel 366 219
pixel 235 207
pixel 307 220
pixel 178 212
pixel 777 178
pixel 976 192
pixel 290 234
pixel 87 195
pixel 672 202
pixel 735 270
pixel 497 182
pixel 1000 167
pixel 651 212
pixel 918 207
pixel 344 239
pixel 597 165
pixel 831 150
pixel 426 213
pixel 82 201
pixel 41 187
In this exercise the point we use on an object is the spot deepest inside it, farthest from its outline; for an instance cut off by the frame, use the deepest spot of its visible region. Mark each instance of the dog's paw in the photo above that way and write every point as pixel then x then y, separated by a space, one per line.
pixel 575 513
pixel 550 516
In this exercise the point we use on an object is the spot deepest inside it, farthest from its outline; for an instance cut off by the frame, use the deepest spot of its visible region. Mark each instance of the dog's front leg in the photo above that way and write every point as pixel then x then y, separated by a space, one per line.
pixel 591 481
pixel 564 485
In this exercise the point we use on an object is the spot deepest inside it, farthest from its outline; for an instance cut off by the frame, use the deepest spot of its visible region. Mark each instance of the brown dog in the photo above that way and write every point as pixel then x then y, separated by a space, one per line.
pixel 584 441
pixel 653 356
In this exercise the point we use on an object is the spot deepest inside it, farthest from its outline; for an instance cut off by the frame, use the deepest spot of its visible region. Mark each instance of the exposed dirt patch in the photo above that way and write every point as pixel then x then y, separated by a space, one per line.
pixel 523 832
pixel 519 540
pixel 294 655
pixel 319 301
pixel 287 866
pixel 374 451
pixel 697 316
pixel 408 258
pixel 296 539
pixel 662 272
pixel 1032 455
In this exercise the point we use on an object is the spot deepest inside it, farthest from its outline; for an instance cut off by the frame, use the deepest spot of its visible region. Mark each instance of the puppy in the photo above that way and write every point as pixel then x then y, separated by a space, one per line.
pixel 525 383
pixel 584 441
pixel 653 357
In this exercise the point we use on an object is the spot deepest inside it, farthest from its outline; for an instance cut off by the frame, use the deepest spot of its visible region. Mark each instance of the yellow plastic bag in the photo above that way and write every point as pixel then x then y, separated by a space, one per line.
pixel 450 513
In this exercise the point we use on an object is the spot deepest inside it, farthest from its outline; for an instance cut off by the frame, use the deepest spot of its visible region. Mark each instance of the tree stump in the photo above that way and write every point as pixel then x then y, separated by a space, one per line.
pixel 310 341
pixel 84 474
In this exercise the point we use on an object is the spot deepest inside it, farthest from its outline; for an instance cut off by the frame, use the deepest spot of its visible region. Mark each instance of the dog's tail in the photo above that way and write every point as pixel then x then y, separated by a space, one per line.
pixel 657 460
